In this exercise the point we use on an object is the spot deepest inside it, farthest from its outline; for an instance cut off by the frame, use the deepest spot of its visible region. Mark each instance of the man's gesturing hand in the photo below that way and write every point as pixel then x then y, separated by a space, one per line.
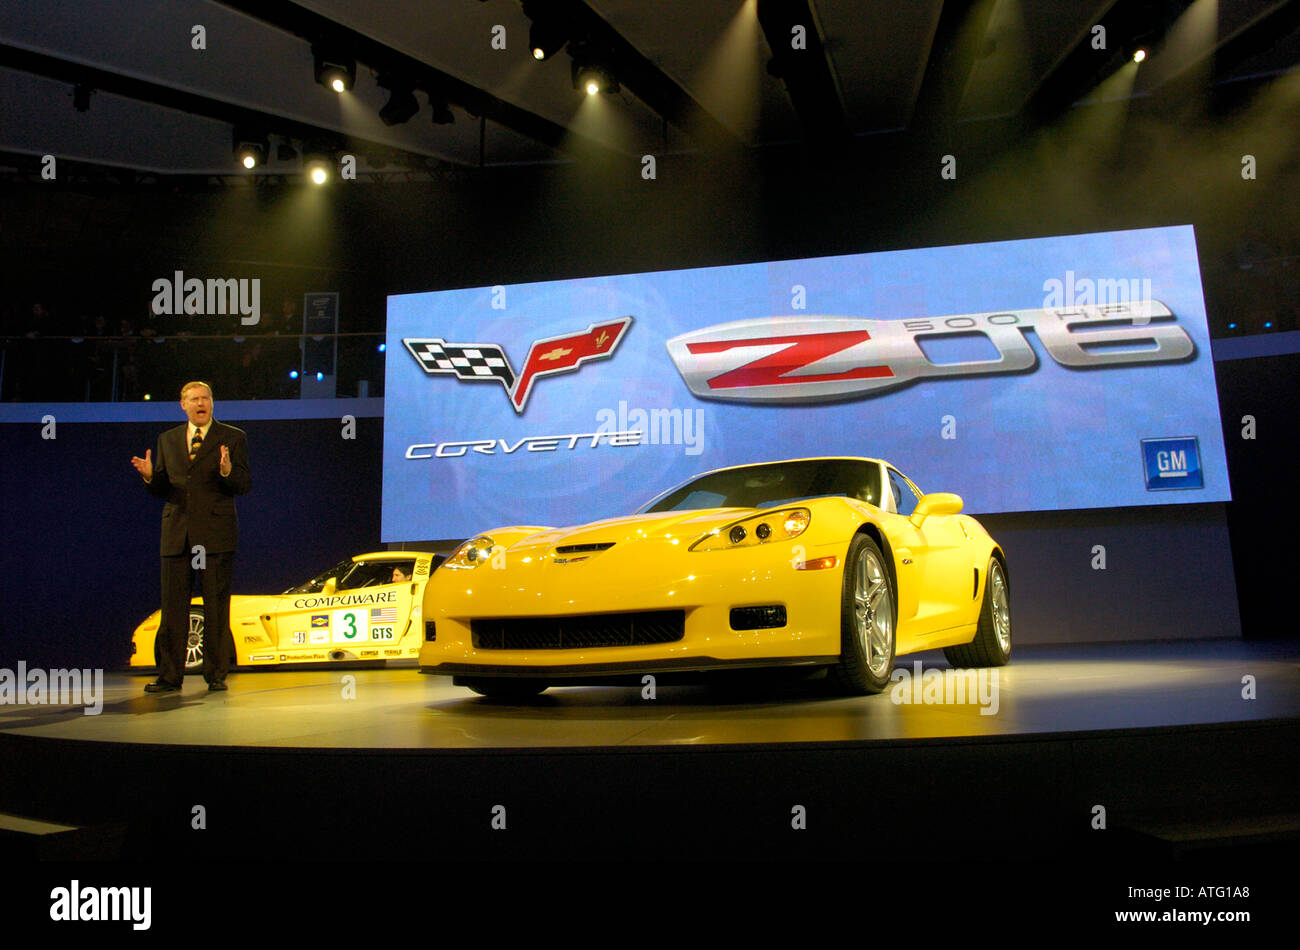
pixel 225 461
pixel 145 465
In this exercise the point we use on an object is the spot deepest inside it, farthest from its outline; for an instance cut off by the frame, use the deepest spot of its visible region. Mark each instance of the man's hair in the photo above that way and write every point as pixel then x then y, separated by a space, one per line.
pixel 196 382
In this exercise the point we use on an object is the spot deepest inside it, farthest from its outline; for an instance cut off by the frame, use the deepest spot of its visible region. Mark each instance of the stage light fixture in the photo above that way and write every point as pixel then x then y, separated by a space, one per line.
pixel 285 152
pixel 317 169
pixel 546 38
pixel 250 149
pixel 401 104
pixel 593 78
pixel 333 70
pixel 1139 54
pixel 441 110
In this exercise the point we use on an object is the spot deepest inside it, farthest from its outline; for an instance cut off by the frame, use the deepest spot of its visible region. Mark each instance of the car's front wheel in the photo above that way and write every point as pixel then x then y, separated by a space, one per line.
pixel 992 643
pixel 868 615
pixel 506 688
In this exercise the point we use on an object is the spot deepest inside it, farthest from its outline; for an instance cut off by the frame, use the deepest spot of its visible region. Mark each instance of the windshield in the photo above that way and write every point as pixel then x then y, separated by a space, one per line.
pixel 353 574
pixel 773 484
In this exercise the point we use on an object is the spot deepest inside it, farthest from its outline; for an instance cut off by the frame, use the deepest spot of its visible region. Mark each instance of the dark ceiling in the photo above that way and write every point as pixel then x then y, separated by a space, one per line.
pixel 709 74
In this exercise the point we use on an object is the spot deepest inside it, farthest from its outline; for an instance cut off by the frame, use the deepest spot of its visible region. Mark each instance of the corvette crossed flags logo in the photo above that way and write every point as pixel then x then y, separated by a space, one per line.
pixel 820 358
pixel 487 362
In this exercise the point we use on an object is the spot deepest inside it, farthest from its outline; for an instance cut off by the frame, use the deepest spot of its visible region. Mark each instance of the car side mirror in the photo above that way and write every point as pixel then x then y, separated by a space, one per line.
pixel 936 503
pixel 330 587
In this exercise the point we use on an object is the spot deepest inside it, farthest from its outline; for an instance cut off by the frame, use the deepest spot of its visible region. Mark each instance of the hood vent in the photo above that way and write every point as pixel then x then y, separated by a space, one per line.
pixel 584 548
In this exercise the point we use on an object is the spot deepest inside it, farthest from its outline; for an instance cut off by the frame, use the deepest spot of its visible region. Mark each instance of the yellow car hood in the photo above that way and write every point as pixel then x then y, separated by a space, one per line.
pixel 684 526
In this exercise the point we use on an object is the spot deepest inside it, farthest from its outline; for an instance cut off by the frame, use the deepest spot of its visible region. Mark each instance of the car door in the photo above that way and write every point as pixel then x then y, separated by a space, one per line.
pixel 411 627
pixel 940 550
pixel 364 614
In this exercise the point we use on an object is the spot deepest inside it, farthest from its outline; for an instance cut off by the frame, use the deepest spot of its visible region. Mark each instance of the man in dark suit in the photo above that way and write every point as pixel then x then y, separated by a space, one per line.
pixel 198 468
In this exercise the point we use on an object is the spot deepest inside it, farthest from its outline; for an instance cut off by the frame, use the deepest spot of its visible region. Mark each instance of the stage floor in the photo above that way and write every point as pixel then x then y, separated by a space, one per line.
pixel 1047 689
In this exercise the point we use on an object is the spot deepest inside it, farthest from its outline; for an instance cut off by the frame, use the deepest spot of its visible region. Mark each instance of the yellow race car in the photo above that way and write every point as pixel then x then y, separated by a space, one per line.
pixel 366 608
pixel 840 563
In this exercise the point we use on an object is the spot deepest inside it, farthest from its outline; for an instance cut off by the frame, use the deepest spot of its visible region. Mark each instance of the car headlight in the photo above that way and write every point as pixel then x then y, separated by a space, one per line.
pixel 471 554
pixel 781 525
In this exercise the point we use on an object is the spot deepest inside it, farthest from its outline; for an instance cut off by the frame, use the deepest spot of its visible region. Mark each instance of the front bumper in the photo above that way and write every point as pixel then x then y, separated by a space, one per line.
pixel 644 577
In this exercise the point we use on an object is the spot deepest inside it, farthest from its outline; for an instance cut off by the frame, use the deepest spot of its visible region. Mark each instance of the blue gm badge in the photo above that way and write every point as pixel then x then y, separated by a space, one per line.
pixel 1172 463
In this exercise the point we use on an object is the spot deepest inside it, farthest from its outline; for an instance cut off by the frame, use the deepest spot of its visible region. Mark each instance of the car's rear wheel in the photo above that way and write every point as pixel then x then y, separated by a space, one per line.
pixel 193 645
pixel 506 688
pixel 992 643
pixel 868 616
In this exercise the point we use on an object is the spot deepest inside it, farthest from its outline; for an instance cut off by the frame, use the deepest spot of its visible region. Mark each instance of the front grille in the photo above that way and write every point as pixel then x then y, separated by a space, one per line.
pixel 584 548
pixel 571 633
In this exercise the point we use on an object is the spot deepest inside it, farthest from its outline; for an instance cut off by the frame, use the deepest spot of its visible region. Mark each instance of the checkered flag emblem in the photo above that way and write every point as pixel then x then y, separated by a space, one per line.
pixel 468 361
pixel 474 362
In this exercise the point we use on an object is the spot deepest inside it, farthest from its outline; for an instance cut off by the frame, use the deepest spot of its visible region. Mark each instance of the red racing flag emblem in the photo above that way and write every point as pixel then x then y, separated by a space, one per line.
pixel 487 362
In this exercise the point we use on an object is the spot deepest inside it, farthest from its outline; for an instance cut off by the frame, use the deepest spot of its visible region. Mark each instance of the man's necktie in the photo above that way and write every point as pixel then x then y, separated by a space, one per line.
pixel 195 444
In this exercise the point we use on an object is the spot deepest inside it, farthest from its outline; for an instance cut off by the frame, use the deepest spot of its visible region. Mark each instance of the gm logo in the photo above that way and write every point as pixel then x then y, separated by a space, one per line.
pixel 1172 463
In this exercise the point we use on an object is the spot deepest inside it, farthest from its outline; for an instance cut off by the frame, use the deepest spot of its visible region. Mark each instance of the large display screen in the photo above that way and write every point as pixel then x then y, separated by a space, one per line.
pixel 1053 373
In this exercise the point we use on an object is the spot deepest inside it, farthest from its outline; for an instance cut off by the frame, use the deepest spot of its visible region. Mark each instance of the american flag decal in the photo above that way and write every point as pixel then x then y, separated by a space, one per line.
pixel 486 362
pixel 383 615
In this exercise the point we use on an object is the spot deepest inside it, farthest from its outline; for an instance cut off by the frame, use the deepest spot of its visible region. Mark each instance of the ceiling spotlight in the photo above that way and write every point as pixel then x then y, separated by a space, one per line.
pixel 81 97
pixel 400 107
pixel 441 111
pixel 317 170
pixel 333 70
pixel 401 104
pixel 1139 55
pixel 546 38
pixel 250 149
pixel 593 78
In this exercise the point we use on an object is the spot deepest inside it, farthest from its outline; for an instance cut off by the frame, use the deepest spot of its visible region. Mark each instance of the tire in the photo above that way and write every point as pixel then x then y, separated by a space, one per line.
pixel 506 688
pixel 992 643
pixel 868 621
pixel 193 645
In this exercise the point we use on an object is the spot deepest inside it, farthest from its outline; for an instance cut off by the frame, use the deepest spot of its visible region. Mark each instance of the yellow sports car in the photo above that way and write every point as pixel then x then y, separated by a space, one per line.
pixel 367 608
pixel 834 562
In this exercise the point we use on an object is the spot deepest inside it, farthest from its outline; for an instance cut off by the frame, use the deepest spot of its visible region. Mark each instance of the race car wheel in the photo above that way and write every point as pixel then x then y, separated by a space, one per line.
pixel 992 643
pixel 193 644
pixel 506 688
pixel 868 617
